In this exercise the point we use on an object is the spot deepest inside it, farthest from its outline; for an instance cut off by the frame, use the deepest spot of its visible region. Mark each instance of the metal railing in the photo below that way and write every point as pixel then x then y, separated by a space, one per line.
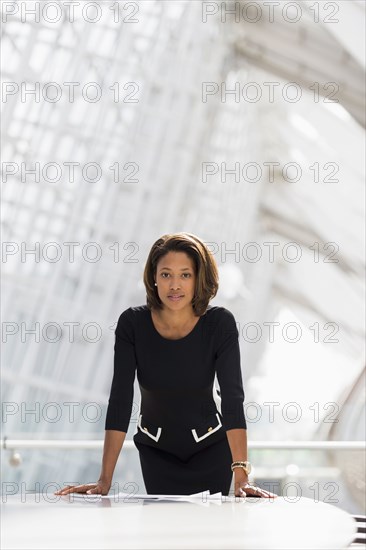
pixel 72 444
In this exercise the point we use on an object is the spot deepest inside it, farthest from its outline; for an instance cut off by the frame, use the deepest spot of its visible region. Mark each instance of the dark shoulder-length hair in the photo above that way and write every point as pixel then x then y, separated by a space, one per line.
pixel 206 272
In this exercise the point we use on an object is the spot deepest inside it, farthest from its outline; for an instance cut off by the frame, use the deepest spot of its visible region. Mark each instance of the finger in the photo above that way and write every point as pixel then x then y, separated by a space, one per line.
pixel 64 490
pixel 84 488
pixel 262 493
pixel 94 491
pixel 253 491
pixel 265 493
pixel 74 489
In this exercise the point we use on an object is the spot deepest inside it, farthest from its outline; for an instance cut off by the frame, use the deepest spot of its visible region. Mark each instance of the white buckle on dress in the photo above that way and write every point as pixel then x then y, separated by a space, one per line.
pixel 146 432
pixel 199 438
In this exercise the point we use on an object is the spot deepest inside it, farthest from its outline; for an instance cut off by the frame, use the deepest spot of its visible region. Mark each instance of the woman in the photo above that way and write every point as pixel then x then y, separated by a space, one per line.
pixel 189 438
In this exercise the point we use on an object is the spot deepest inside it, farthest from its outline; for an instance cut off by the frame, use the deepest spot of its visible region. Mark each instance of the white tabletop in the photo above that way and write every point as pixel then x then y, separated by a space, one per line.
pixel 34 521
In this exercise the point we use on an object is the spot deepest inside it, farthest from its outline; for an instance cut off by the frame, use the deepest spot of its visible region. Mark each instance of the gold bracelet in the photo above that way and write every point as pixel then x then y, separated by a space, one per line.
pixel 242 464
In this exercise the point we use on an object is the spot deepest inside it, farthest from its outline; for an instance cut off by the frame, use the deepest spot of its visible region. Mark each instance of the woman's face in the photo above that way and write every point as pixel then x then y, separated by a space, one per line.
pixel 175 278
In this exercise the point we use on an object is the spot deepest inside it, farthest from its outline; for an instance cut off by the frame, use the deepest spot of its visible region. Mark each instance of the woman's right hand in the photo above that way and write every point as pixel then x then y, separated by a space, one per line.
pixel 99 488
pixel 113 442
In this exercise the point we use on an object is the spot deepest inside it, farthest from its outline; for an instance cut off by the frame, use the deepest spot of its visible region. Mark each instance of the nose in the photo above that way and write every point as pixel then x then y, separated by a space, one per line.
pixel 174 285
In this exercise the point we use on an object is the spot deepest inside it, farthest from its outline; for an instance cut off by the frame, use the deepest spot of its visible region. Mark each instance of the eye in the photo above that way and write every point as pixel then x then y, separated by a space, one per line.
pixel 185 275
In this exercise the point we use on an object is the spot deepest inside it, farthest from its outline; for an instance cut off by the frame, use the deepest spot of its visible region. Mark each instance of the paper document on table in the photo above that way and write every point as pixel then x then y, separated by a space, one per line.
pixel 131 497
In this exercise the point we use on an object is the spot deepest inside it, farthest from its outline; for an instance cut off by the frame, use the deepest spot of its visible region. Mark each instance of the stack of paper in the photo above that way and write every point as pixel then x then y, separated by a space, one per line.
pixel 203 496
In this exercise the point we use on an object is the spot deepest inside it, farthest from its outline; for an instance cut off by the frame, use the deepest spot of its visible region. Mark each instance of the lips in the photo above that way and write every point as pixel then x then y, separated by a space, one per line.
pixel 175 297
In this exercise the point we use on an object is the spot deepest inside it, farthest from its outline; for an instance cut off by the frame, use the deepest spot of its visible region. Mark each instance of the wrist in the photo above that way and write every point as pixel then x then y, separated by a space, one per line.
pixel 239 474
pixel 244 465
pixel 105 479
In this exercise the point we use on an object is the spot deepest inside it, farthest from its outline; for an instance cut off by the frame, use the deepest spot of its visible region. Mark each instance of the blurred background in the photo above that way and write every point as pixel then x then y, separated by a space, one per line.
pixel 240 122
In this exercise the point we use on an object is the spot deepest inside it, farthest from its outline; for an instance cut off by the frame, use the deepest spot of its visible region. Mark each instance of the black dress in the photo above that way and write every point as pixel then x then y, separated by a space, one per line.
pixel 182 421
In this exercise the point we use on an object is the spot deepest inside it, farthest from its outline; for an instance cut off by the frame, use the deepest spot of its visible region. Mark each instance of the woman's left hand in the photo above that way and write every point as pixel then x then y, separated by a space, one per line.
pixel 248 489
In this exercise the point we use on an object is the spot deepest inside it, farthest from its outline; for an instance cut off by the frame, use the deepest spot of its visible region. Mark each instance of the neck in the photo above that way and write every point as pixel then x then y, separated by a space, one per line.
pixel 176 318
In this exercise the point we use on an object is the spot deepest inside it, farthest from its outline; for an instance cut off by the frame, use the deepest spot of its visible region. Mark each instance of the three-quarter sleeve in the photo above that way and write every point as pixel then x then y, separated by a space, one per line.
pixel 121 394
pixel 228 371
